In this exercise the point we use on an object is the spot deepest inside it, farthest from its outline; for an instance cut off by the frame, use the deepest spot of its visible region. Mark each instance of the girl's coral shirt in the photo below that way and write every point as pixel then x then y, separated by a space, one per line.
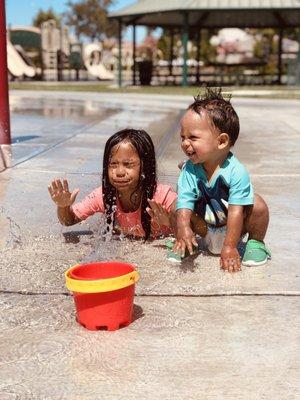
pixel 130 222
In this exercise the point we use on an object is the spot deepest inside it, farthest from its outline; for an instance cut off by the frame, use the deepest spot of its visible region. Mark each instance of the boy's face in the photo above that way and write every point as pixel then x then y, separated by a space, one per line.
pixel 199 138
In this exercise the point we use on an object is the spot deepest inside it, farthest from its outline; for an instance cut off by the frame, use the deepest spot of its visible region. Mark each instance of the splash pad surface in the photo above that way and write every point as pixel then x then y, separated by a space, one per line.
pixel 185 318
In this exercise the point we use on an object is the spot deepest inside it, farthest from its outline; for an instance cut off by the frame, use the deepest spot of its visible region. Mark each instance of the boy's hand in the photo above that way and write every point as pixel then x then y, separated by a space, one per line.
pixel 230 259
pixel 60 194
pixel 158 213
pixel 185 239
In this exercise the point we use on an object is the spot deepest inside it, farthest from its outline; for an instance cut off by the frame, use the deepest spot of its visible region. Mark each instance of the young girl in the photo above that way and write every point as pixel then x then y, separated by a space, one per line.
pixel 130 196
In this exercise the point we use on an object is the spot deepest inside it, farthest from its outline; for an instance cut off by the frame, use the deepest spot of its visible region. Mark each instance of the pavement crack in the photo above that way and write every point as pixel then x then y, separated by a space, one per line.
pixel 19 292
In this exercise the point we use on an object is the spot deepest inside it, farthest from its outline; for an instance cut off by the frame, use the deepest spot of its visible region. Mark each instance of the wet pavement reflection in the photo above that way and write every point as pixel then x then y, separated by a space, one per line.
pixel 37 125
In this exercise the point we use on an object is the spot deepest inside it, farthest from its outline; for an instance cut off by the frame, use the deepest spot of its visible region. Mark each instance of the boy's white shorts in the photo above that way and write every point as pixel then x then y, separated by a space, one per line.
pixel 214 238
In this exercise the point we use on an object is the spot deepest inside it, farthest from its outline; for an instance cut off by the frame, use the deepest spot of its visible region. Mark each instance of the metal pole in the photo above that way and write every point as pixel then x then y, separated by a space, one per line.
pixel 120 54
pixel 185 38
pixel 171 56
pixel 297 77
pixel 60 57
pixel 4 101
pixel 59 65
pixel 42 64
pixel 133 54
pixel 198 39
pixel 279 56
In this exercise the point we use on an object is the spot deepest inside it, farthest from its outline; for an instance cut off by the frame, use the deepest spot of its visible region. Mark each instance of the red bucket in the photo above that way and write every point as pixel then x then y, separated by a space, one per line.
pixel 103 294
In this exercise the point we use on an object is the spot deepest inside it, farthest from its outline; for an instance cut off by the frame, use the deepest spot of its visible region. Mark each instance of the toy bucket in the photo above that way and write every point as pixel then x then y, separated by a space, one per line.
pixel 103 293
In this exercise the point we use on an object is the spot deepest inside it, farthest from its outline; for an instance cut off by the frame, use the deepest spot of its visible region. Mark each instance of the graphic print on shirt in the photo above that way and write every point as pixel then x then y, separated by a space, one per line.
pixel 212 205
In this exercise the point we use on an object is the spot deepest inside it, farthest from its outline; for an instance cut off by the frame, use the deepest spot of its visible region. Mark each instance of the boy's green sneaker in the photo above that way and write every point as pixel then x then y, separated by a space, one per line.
pixel 170 243
pixel 174 257
pixel 255 254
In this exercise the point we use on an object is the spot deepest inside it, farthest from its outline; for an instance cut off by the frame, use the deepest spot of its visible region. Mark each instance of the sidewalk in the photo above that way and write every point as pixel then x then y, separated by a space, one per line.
pixel 198 333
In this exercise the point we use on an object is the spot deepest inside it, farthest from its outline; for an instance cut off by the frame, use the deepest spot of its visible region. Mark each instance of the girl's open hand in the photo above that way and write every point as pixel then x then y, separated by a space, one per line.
pixel 158 213
pixel 230 259
pixel 60 194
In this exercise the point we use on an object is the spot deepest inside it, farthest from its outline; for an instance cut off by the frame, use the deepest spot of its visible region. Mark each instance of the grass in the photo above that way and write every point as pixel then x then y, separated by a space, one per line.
pixel 283 92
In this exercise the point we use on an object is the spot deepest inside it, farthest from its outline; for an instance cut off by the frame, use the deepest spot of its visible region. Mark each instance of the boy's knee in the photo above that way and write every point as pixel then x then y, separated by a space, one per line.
pixel 260 206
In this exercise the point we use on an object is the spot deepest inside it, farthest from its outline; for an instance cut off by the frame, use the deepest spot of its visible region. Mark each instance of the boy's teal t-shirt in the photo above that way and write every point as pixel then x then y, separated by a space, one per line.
pixel 230 184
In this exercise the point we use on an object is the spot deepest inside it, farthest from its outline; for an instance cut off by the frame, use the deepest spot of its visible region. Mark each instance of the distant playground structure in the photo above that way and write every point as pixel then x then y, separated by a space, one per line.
pixel 22 41
pixel 49 52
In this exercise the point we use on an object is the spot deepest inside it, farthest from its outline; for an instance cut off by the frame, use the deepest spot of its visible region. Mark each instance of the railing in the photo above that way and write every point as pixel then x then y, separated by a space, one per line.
pixel 216 74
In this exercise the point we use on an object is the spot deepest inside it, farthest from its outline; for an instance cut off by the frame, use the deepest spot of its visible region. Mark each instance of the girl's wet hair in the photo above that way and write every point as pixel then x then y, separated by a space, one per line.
pixel 220 111
pixel 143 144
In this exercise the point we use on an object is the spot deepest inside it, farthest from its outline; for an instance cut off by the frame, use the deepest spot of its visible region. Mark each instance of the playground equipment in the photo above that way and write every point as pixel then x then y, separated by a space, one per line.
pixel 53 40
pixel 18 63
pixel 55 51
pixel 60 52
pixel 23 44
pixel 92 56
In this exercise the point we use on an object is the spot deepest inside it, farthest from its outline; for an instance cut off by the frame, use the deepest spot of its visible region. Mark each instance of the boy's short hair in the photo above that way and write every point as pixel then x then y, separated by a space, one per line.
pixel 219 110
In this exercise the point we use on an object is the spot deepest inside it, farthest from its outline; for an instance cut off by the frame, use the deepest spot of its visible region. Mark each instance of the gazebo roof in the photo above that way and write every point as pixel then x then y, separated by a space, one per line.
pixel 213 13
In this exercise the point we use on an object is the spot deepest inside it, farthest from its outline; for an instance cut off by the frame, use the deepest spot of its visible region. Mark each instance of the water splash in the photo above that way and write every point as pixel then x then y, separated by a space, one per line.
pixel 104 244
pixel 14 236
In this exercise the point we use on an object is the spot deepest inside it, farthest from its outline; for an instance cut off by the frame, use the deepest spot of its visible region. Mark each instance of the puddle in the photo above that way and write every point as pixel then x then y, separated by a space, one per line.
pixel 87 110
pixel 40 123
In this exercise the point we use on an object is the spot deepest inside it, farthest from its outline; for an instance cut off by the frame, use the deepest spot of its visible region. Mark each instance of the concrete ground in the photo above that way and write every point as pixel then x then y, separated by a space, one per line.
pixel 198 332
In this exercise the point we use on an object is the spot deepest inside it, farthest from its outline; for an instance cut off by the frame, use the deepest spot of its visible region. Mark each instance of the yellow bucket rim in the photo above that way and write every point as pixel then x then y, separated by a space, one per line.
pixel 100 285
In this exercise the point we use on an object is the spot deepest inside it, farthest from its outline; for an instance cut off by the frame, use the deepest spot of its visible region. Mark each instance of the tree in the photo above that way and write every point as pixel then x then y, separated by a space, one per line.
pixel 89 18
pixel 43 16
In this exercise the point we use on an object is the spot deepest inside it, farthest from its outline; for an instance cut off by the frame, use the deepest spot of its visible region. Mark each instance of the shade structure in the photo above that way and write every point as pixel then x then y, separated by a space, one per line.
pixel 193 15
pixel 213 13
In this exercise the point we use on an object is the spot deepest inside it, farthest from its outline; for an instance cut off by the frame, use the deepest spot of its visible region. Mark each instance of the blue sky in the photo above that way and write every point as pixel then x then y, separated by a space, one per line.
pixel 22 12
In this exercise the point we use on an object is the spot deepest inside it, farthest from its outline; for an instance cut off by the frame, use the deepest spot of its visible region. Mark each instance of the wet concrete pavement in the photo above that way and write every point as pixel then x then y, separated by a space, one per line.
pixel 198 332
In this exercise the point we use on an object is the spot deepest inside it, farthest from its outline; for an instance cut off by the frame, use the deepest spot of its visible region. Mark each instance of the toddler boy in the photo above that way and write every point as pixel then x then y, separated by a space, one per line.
pixel 216 187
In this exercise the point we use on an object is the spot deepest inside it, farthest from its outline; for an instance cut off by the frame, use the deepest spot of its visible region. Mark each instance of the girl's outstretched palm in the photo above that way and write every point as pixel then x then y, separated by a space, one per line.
pixel 60 194
pixel 158 213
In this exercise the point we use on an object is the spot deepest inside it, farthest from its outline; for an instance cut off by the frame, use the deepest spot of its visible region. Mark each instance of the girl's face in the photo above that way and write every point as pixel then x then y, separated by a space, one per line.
pixel 199 139
pixel 124 167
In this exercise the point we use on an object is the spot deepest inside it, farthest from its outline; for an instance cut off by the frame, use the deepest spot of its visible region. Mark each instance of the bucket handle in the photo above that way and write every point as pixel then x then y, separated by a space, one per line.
pixel 100 285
